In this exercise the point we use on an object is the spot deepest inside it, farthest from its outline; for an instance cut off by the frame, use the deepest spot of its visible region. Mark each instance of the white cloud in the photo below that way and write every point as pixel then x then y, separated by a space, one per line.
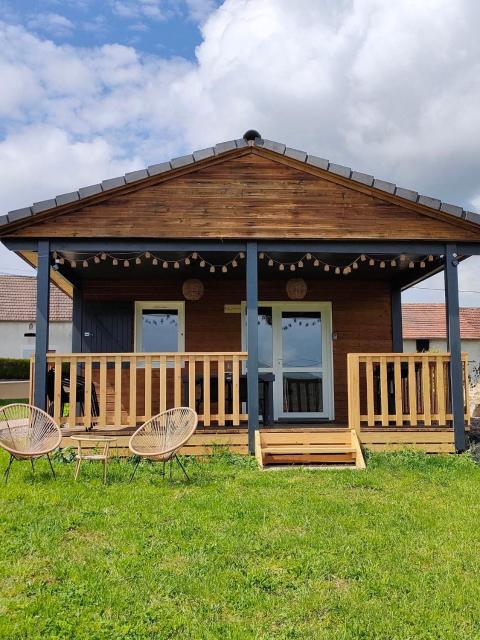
pixel 52 23
pixel 390 88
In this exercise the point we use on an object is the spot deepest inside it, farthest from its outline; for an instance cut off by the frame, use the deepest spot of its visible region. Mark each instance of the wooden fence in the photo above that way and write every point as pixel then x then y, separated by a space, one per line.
pixel 125 389
pixel 401 390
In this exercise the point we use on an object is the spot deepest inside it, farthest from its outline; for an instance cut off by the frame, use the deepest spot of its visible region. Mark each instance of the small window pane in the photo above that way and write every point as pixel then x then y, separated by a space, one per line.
pixel 159 330
pixel 302 338
pixel 265 338
pixel 302 393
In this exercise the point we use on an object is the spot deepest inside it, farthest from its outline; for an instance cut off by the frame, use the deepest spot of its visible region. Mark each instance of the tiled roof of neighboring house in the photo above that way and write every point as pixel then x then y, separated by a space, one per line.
pixel 425 321
pixel 18 299
pixel 223 147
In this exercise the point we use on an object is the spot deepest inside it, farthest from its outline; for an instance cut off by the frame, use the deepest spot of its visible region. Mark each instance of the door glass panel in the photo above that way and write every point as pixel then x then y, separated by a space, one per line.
pixel 265 338
pixel 302 393
pixel 159 330
pixel 302 339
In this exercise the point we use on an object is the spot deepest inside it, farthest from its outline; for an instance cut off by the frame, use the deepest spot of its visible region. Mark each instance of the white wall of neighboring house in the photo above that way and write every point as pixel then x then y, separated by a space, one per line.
pixel 14 344
pixel 472 347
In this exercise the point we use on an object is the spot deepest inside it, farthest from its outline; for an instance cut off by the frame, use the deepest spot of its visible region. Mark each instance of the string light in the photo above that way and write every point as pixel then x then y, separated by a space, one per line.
pixel 345 269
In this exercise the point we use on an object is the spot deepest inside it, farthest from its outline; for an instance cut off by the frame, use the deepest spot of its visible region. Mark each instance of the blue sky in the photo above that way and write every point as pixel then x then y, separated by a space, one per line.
pixel 91 90
pixel 168 28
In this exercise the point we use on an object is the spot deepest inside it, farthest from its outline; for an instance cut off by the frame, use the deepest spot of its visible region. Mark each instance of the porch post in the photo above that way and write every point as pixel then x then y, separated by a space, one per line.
pixel 454 345
pixel 42 321
pixel 252 342
pixel 77 320
pixel 397 328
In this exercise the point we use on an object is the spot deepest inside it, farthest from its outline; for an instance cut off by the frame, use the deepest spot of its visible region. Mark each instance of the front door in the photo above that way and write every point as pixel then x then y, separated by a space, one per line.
pixel 295 344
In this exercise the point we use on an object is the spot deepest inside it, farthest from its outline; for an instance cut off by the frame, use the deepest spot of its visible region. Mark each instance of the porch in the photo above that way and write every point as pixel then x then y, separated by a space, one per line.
pixel 394 400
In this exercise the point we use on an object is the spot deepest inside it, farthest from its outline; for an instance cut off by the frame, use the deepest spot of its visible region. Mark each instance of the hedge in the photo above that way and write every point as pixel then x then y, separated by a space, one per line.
pixel 14 368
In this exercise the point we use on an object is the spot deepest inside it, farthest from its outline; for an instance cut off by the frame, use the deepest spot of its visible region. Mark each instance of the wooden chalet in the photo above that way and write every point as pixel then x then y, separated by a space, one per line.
pixel 260 285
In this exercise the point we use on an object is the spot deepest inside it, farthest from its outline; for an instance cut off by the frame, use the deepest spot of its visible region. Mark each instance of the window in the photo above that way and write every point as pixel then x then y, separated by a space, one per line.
pixel 159 327
pixel 423 346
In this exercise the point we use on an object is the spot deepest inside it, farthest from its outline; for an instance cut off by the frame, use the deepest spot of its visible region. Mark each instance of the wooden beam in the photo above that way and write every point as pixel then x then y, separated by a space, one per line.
pixel 252 342
pixel 397 329
pixel 42 323
pixel 454 345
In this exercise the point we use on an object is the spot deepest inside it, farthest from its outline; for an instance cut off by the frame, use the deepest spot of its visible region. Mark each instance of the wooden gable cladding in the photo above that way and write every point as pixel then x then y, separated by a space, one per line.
pixel 252 194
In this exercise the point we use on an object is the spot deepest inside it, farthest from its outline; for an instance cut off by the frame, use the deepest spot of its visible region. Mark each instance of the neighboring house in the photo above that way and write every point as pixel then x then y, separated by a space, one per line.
pixel 18 309
pixel 424 329
pixel 250 262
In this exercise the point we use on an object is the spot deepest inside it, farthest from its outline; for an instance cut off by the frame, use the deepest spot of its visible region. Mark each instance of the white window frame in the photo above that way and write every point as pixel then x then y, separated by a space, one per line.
pixel 176 305
pixel 325 307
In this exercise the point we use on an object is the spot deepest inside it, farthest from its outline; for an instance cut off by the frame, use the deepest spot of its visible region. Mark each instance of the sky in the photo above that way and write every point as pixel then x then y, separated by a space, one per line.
pixel 91 90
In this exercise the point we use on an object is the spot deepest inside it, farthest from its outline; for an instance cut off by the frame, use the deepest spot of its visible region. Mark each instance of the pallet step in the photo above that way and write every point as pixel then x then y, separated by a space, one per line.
pixel 341 448
pixel 307 449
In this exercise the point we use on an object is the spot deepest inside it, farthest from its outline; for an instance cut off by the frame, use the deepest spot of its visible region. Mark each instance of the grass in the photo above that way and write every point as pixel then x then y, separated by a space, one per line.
pixel 3 403
pixel 388 553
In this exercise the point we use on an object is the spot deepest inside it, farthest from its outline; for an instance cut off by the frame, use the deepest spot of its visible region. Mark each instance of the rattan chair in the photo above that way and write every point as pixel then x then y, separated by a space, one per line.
pixel 27 433
pixel 161 437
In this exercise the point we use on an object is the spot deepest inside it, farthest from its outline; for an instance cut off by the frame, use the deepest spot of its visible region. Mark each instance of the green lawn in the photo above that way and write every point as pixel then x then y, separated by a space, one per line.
pixel 391 552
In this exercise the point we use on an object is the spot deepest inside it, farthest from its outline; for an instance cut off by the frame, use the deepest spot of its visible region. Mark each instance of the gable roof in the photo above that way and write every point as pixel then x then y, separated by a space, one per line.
pixel 407 195
pixel 425 321
pixel 18 299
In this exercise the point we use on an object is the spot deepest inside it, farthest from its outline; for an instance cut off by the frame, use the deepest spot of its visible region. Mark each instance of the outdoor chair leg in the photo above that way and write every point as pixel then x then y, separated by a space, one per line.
pixel 170 472
pixel 134 470
pixel 7 470
pixel 182 467
pixel 163 468
pixel 33 467
pixel 51 466
pixel 77 469
pixel 105 471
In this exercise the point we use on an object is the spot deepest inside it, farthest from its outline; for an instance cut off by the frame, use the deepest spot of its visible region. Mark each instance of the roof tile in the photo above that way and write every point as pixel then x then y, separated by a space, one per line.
pixel 470 216
pixel 277 147
pixel 295 154
pixel 91 190
pixel 406 194
pixel 44 205
pixel 133 176
pixel 364 178
pixel 315 161
pixel 452 209
pixel 155 169
pixel 113 183
pixel 18 296
pixel 66 198
pixel 18 214
pixel 340 170
pixel 433 203
pixel 383 185
pixel 202 154
pixel 223 147
pixel 181 161
pixel 427 321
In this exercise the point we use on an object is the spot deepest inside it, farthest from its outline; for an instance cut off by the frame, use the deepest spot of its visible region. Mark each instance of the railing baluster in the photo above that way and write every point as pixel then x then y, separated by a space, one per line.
pixel 370 395
pixel 162 372
pixel 427 416
pixel 412 392
pixel 57 390
pixel 118 391
pixel 397 374
pixel 384 391
pixel 221 391
pixel 191 381
pixel 133 391
pixel 72 399
pixel 178 381
pixel 148 387
pixel 88 392
pixel 236 390
pixel 206 392
pixel 103 391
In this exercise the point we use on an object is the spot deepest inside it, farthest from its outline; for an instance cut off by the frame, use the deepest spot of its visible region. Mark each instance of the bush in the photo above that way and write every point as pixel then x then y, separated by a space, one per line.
pixel 14 369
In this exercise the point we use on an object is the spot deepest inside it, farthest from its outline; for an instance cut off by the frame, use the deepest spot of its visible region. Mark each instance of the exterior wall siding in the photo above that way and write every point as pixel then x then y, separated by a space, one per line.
pixel 14 344
pixel 361 316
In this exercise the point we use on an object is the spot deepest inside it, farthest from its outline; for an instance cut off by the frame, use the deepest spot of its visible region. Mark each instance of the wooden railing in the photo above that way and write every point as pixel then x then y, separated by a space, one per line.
pixel 120 389
pixel 401 390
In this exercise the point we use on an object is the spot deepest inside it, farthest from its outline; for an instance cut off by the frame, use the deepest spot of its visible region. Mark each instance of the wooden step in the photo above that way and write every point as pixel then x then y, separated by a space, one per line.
pixel 307 449
pixel 325 448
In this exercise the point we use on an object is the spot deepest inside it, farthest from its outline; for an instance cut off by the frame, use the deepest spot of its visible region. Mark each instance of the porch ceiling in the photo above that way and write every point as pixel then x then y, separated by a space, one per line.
pixel 402 273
